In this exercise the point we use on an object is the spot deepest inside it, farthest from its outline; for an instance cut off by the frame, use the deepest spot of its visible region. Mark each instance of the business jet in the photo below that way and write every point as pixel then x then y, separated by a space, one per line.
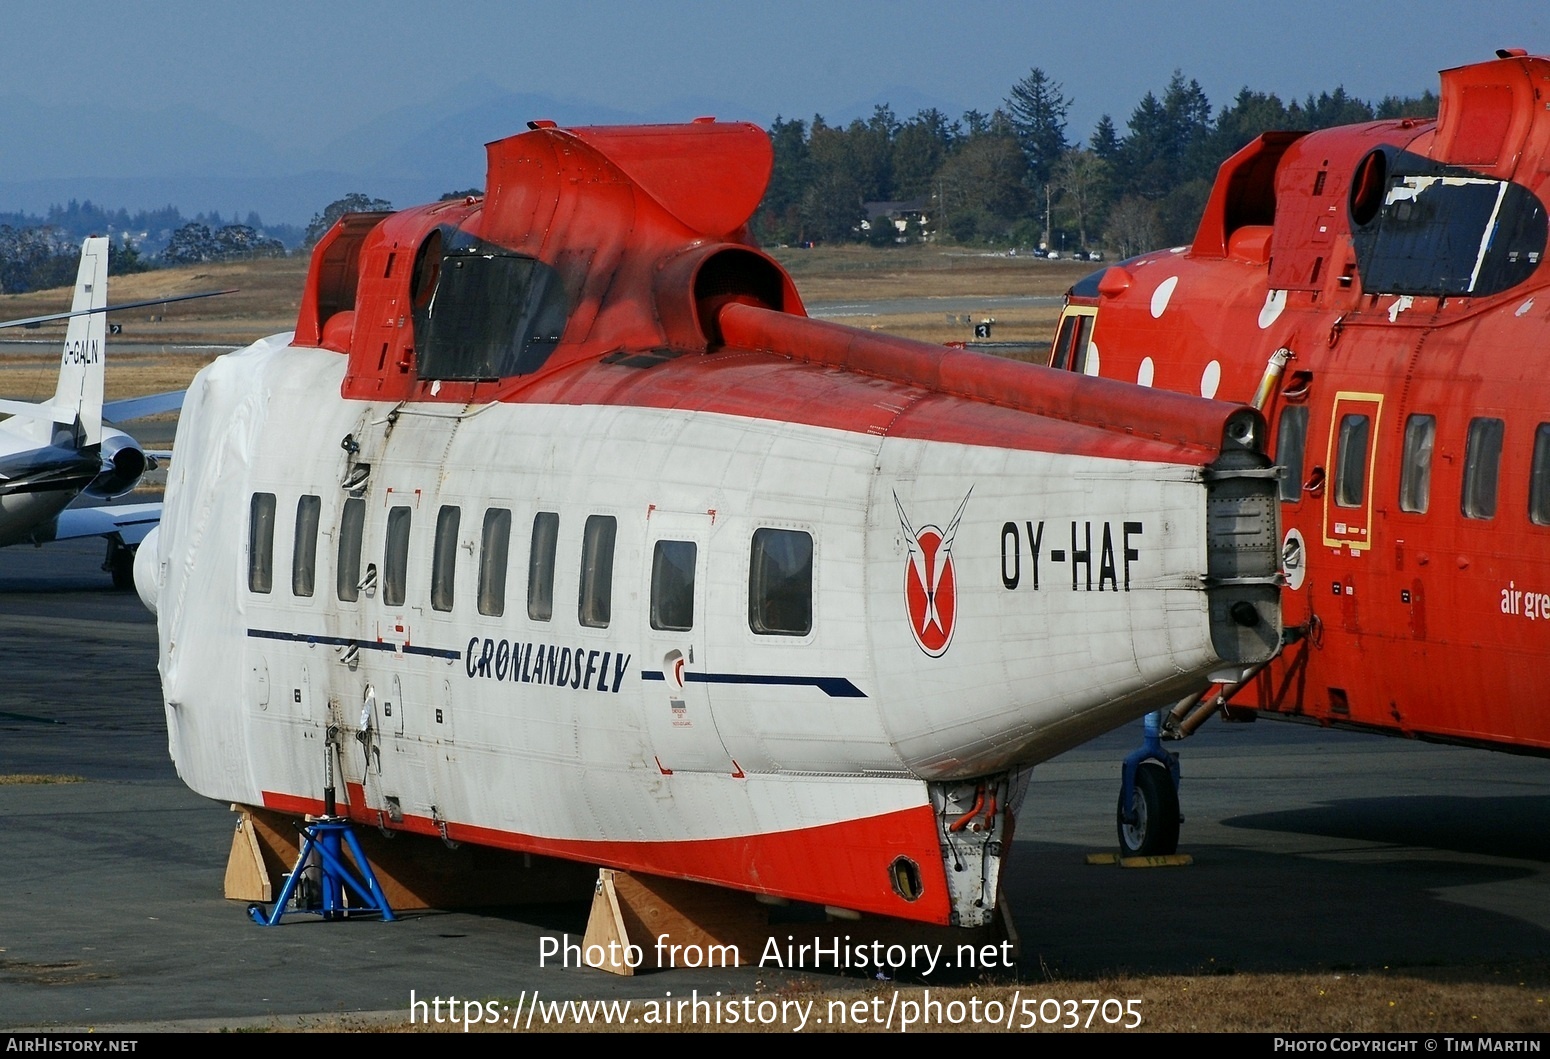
pixel 53 452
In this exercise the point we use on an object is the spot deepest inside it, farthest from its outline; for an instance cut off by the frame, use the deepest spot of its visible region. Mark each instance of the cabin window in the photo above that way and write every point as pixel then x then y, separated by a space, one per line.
pixel 1482 461
pixel 261 543
pixel 1539 483
pixel 672 585
pixel 484 312
pixel 595 602
pixel 395 557
pixel 494 546
pixel 347 576
pixel 1291 442
pixel 304 556
pixel 780 583
pixel 444 557
pixel 540 566
pixel 1415 475
pixel 1351 460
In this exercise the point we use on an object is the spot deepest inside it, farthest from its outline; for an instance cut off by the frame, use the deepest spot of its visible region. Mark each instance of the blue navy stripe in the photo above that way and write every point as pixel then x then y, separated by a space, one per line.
pixel 834 687
pixel 345 641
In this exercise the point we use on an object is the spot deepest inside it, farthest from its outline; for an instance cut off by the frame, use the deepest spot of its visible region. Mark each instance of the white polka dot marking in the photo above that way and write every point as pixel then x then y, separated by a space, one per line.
pixel 1275 301
pixel 1210 379
pixel 1161 295
pixel 1144 376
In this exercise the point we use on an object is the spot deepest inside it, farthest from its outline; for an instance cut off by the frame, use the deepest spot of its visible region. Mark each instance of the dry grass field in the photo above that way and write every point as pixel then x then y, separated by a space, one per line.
pixel 831 275
pixel 846 273
pixel 161 347
pixel 269 293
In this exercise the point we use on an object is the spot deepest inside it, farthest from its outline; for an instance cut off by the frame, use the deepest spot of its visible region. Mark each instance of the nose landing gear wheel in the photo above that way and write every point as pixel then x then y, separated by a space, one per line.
pixel 1155 830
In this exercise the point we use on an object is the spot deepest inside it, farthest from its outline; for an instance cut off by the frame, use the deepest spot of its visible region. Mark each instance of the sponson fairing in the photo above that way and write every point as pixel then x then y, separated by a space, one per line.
pixel 654 572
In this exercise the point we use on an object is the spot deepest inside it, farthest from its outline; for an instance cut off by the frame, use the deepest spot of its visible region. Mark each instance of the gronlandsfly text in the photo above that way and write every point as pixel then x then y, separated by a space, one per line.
pixel 528 663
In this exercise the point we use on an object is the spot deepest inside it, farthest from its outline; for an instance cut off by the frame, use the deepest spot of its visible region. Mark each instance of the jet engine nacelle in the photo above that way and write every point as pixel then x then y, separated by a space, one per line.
pixel 123 462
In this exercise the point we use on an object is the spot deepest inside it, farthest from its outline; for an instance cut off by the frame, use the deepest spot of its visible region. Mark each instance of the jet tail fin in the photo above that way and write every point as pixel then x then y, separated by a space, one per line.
pixel 78 400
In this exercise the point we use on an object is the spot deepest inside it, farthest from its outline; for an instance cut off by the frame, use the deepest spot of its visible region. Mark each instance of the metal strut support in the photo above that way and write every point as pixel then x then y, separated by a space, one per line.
pixel 325 838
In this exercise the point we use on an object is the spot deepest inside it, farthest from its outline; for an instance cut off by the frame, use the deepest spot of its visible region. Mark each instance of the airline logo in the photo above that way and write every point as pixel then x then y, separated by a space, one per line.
pixel 931 581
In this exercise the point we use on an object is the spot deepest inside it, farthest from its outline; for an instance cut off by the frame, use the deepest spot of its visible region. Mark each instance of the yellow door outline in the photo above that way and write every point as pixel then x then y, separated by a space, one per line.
pixel 1351 526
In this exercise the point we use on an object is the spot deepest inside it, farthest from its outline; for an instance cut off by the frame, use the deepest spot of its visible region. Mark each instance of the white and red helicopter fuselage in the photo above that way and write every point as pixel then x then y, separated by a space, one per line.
pixel 657 573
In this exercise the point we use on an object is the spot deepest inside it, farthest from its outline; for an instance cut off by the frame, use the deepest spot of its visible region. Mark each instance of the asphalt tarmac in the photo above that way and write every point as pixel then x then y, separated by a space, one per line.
pixel 1313 850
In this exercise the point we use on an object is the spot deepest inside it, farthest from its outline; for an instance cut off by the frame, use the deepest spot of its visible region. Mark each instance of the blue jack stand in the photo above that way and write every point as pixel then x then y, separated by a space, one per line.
pixel 326 837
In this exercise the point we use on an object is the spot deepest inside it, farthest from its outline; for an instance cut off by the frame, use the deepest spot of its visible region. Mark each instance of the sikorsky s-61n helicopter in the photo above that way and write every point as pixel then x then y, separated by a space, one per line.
pixel 558 526
pixel 1380 292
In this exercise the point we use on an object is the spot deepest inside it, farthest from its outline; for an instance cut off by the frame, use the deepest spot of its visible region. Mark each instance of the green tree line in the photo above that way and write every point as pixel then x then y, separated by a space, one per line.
pixel 37 253
pixel 1015 177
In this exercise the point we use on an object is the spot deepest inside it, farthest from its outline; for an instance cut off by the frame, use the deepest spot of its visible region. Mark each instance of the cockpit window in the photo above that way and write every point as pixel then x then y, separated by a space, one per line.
pixel 486 312
pixel 1442 231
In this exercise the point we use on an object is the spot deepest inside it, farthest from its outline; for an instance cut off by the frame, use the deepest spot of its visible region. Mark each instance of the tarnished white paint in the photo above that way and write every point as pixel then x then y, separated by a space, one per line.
pixel 1029 674
pixel 1275 303
pixel 1210 379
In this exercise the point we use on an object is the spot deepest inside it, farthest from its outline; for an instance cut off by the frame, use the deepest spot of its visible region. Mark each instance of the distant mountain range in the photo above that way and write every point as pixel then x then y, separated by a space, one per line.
pixel 198 163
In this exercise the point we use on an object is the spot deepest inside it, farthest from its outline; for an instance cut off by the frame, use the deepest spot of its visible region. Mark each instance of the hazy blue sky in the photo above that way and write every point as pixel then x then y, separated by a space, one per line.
pixel 281 106
pixel 291 70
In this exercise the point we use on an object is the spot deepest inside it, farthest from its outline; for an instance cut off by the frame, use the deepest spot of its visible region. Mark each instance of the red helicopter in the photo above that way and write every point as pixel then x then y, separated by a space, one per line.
pixel 1379 292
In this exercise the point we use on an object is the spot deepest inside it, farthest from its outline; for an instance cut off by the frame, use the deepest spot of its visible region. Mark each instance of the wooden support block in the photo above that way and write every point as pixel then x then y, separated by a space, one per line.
pixel 606 944
pixel 419 871
pixel 1009 928
pixel 246 877
pixel 677 923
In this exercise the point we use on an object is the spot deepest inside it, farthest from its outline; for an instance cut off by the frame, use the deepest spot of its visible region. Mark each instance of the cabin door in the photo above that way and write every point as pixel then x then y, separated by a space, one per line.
pixel 1351 459
pixel 676 672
